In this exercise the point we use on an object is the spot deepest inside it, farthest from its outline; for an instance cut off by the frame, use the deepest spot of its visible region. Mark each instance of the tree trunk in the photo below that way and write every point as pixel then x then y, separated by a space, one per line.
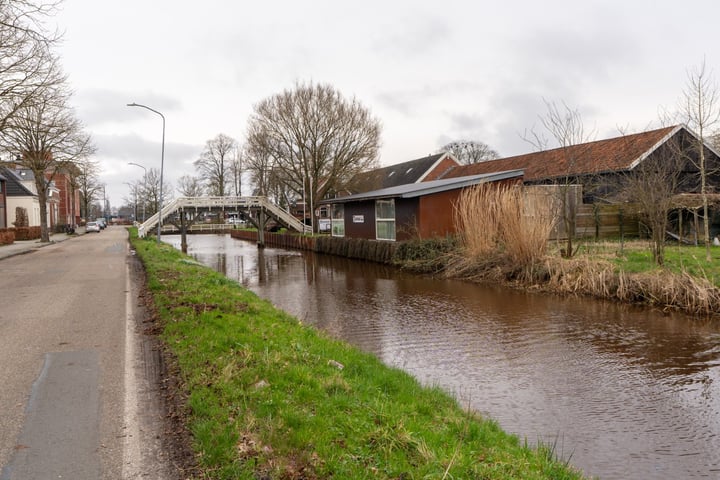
pixel 42 199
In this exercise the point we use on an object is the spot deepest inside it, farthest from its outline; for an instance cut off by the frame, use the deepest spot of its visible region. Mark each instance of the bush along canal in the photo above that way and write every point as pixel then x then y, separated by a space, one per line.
pixel 269 397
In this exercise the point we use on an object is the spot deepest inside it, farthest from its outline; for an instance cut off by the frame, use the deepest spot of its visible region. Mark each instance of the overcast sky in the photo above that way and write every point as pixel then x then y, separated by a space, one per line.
pixel 430 71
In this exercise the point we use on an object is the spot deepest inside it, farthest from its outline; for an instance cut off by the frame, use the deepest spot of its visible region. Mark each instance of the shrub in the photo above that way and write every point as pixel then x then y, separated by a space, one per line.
pixel 425 256
pixel 27 233
pixel 7 236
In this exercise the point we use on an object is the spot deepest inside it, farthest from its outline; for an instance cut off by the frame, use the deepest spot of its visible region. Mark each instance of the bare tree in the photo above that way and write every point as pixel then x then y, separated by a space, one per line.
pixel 700 105
pixel 150 194
pixel 88 184
pixel 49 138
pixel 236 171
pixel 312 140
pixel 26 64
pixel 470 151
pixel 213 166
pixel 190 186
pixel 565 128
pixel 653 185
pixel 259 163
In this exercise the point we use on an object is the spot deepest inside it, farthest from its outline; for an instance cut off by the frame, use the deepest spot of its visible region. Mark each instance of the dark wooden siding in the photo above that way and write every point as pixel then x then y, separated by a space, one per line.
pixel 360 230
pixel 406 218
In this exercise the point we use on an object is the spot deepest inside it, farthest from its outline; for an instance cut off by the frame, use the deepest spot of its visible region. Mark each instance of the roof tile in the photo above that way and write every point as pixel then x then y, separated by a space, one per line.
pixel 614 154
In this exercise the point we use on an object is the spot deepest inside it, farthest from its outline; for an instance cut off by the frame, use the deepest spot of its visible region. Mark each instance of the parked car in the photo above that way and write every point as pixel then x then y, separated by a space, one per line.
pixel 92 227
pixel 101 222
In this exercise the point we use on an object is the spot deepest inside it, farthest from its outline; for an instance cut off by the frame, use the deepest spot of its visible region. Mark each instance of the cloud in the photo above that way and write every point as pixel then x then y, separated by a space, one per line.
pixel 414 36
pixel 99 108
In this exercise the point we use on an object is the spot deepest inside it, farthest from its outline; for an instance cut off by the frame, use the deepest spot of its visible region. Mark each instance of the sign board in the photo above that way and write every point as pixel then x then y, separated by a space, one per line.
pixel 358 218
pixel 324 224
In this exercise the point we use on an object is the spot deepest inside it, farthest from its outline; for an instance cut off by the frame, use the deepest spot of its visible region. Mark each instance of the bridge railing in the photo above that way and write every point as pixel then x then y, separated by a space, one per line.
pixel 223 202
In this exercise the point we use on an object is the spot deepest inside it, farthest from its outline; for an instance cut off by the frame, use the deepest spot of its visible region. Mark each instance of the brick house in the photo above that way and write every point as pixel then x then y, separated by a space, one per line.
pixel 68 198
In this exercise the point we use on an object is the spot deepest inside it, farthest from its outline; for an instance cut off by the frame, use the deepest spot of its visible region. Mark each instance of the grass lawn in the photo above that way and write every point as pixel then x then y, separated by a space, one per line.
pixel 635 257
pixel 272 398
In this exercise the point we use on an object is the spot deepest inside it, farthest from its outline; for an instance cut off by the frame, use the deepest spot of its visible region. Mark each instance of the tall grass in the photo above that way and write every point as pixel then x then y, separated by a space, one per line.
pixel 497 222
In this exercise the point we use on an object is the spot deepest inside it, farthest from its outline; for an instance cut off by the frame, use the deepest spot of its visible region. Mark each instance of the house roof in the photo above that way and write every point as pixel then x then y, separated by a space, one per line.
pixel 614 154
pixel 13 185
pixel 394 175
pixel 413 190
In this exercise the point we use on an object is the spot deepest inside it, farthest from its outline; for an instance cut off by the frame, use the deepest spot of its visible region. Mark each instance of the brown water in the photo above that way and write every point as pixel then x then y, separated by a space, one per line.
pixel 622 392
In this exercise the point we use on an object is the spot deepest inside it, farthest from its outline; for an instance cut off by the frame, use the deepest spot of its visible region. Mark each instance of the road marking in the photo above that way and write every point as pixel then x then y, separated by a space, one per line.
pixel 132 455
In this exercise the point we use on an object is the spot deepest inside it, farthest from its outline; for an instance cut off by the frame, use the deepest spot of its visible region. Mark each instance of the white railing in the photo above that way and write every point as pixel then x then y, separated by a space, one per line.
pixel 258 203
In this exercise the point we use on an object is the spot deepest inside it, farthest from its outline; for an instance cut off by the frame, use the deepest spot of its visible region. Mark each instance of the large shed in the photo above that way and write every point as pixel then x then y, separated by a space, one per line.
pixel 416 210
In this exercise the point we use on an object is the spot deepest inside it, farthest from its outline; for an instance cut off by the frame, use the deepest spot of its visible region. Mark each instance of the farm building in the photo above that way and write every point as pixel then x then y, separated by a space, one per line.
pixel 604 169
pixel 402 212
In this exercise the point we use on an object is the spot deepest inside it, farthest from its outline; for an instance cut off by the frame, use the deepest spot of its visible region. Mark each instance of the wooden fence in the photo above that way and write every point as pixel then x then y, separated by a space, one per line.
pixel 603 221
pixel 590 220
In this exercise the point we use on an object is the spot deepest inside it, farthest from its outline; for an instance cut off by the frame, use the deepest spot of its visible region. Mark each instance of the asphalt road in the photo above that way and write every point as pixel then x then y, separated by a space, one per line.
pixel 77 399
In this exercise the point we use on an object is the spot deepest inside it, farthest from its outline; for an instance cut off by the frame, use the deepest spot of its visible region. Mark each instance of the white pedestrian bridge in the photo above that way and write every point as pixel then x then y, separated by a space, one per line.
pixel 259 209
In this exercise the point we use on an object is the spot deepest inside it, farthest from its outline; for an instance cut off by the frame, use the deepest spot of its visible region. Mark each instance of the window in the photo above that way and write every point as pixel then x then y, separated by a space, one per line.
pixel 385 219
pixel 338 220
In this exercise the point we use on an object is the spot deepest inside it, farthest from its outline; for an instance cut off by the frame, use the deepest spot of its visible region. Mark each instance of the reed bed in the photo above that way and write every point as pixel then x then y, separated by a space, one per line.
pixel 598 278
pixel 504 241
pixel 500 234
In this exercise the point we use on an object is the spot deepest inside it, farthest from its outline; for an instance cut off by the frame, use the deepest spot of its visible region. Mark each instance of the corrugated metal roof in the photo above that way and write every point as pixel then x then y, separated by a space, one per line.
pixel 413 190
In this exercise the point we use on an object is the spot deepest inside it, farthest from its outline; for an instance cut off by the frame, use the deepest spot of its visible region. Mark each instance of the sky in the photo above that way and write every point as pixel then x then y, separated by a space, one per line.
pixel 430 71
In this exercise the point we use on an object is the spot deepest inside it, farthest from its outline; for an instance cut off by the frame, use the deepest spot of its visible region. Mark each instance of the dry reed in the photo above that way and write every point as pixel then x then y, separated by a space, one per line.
pixel 502 242
pixel 495 220
pixel 663 289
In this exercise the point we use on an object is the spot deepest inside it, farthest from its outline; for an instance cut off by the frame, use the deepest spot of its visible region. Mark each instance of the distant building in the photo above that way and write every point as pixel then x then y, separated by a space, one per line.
pixel 423 169
pixel 18 195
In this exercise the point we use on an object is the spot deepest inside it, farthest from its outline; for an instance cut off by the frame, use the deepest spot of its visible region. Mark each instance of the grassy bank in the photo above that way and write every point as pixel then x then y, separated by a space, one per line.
pixel 635 257
pixel 606 270
pixel 271 398
pixel 516 252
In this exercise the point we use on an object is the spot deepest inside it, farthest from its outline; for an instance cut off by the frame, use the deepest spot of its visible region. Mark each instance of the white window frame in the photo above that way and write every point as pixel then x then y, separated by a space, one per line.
pixel 390 221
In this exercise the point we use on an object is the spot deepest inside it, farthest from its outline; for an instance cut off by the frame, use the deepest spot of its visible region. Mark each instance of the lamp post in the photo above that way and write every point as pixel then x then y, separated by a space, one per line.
pixel 162 162
pixel 144 186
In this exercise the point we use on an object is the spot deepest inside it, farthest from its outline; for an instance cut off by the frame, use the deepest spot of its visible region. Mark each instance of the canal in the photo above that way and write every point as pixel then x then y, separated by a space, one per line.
pixel 621 392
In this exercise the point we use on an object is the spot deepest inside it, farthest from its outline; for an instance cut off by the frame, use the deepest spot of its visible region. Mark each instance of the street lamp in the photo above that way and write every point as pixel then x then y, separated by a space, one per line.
pixel 162 162
pixel 104 203
pixel 144 186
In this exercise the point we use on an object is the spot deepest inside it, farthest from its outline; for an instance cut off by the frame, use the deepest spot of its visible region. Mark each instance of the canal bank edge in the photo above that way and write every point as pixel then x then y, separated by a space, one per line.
pixel 579 276
pixel 269 396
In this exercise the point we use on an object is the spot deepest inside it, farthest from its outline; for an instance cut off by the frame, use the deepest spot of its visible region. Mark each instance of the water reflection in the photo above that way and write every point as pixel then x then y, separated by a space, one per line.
pixel 627 392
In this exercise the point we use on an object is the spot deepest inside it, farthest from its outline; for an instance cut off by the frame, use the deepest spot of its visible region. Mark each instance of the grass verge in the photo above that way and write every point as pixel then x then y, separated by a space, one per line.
pixel 272 398
pixel 636 257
